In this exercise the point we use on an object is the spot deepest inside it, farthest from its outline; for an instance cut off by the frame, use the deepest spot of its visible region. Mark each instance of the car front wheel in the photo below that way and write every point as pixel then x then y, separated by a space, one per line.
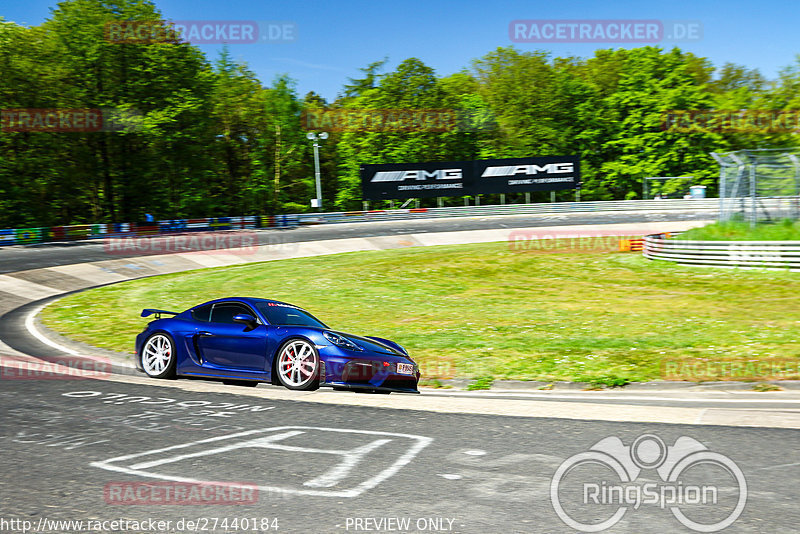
pixel 298 365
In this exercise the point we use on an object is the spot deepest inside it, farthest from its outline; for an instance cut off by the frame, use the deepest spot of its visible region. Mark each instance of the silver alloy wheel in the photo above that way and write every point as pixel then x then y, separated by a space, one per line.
pixel 297 364
pixel 157 355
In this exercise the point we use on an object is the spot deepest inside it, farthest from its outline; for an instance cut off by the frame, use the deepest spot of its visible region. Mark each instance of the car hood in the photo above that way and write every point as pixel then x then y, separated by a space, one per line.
pixel 366 343
pixel 371 345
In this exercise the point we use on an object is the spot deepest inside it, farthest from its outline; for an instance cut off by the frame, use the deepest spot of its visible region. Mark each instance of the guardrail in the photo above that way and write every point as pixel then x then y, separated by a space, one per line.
pixel 27 236
pixel 744 254
pixel 710 205
pixel 49 234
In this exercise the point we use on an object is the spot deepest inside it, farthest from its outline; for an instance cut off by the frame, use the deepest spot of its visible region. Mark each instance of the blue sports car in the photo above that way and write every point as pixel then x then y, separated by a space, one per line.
pixel 249 340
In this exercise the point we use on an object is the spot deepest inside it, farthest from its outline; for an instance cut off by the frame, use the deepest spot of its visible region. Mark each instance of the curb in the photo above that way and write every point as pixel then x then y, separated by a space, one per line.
pixel 118 359
pixel 463 384
pixel 119 363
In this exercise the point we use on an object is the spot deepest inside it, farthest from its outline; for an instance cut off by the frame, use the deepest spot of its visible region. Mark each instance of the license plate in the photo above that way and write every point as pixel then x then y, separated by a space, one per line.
pixel 405 369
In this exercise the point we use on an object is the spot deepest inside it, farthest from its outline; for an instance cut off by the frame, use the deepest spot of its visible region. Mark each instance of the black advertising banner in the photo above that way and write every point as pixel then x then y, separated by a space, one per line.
pixel 415 180
pixel 518 175
pixel 466 178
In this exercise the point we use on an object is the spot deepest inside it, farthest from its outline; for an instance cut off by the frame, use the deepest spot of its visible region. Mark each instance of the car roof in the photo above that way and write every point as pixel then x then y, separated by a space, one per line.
pixel 247 300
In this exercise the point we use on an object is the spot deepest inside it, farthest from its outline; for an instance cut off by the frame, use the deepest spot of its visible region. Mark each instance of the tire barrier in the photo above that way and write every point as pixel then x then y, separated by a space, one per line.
pixel 52 234
pixel 773 255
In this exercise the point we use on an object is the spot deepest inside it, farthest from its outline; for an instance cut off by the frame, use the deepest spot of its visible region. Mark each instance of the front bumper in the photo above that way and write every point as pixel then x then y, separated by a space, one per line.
pixel 363 387
pixel 379 374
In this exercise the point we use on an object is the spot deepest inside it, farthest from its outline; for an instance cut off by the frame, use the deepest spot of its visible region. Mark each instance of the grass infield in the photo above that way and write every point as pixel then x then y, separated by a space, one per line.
pixel 484 311
pixel 784 230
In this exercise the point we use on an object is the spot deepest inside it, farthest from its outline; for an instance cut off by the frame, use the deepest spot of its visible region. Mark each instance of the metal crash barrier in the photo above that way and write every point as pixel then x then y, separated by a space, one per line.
pixel 744 254
pixel 28 236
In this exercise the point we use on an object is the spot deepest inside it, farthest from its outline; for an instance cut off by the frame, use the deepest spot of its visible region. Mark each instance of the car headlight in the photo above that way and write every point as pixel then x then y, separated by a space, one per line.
pixel 341 341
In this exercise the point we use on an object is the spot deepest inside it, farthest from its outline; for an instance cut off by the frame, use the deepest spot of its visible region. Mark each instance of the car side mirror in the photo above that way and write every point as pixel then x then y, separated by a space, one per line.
pixel 246 319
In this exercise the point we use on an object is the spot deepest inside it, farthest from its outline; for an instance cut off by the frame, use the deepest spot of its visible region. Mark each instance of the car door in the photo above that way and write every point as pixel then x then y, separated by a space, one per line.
pixel 224 344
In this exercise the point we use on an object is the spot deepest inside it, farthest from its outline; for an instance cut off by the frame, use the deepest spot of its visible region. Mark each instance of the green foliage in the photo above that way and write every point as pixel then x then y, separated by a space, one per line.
pixel 766 386
pixel 480 383
pixel 785 230
pixel 606 381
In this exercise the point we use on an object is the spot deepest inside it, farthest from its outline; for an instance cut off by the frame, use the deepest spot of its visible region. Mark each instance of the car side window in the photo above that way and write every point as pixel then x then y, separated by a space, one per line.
pixel 202 313
pixel 225 312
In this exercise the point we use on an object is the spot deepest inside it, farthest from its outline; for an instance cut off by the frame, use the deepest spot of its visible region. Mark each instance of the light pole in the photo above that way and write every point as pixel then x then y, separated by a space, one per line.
pixel 311 136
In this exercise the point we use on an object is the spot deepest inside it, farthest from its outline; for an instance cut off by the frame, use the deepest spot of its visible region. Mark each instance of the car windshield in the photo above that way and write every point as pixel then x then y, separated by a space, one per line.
pixel 285 314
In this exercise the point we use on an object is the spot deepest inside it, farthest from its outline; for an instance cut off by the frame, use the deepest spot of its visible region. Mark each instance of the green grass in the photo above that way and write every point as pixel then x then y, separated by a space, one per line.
pixel 481 311
pixel 785 230
pixel 481 383
pixel 763 387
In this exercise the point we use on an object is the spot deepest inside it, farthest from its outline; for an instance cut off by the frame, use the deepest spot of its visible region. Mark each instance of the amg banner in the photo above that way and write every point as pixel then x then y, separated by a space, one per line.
pixel 414 180
pixel 467 178
pixel 551 173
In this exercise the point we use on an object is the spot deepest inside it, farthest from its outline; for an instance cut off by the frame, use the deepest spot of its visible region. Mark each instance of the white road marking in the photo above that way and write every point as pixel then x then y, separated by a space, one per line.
pixel 350 460
pixel 794 464
pixel 258 442
pixel 30 326
pixel 700 416
pixel 337 473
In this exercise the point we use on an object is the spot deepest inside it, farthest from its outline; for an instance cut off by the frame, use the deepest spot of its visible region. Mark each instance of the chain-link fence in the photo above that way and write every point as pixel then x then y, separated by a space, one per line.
pixel 759 185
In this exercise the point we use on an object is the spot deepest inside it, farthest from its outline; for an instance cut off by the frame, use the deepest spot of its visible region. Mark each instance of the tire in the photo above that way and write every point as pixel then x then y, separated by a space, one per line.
pixel 158 356
pixel 297 365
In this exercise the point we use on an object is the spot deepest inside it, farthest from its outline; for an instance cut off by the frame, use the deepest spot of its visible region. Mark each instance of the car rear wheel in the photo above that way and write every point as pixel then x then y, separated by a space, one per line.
pixel 158 356
pixel 298 365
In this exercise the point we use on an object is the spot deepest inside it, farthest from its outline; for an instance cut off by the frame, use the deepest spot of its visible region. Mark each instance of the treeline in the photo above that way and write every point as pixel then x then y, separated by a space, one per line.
pixel 196 137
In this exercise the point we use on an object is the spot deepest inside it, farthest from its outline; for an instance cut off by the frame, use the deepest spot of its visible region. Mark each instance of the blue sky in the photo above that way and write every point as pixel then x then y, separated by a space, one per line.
pixel 337 37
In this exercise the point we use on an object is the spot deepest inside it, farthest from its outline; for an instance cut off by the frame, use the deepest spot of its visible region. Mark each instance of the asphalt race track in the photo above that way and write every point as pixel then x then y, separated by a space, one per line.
pixel 67 444
pixel 130 454
pixel 44 255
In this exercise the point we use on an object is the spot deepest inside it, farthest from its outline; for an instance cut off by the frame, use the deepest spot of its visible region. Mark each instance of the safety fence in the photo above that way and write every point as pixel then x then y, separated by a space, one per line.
pixel 28 236
pixel 709 205
pixel 745 254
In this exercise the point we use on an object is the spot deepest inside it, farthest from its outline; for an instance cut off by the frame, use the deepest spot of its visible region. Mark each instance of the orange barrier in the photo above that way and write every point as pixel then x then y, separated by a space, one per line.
pixel 631 245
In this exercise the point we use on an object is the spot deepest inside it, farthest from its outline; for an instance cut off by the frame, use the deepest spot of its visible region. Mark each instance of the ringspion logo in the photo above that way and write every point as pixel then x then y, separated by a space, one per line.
pixel 704 490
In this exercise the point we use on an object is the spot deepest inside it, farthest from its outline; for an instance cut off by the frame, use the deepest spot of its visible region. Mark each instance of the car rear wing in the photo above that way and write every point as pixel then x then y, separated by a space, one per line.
pixel 147 312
